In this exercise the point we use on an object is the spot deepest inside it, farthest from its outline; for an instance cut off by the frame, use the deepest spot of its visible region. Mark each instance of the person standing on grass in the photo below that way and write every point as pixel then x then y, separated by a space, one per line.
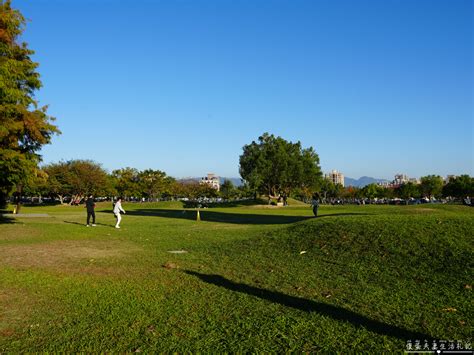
pixel 90 205
pixel 315 204
pixel 117 209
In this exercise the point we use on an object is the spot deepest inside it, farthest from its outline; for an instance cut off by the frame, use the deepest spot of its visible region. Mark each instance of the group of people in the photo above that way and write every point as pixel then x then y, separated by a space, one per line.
pixel 117 210
pixel 90 207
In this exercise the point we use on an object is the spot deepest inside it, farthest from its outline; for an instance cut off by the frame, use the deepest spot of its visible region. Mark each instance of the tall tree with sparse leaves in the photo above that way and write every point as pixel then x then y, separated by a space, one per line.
pixel 24 126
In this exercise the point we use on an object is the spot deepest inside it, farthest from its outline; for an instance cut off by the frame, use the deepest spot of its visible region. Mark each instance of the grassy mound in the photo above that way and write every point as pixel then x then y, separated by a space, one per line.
pixel 355 279
pixel 400 276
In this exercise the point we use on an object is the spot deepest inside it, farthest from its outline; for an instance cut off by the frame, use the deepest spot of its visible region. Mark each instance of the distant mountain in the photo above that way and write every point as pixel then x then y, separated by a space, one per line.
pixel 361 182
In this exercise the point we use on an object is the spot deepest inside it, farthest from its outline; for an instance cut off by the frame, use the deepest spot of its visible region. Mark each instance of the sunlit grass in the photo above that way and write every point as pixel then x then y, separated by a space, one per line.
pixel 251 279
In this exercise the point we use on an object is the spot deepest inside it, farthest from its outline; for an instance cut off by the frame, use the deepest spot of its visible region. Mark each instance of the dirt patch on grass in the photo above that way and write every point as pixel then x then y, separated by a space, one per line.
pixel 17 231
pixel 63 254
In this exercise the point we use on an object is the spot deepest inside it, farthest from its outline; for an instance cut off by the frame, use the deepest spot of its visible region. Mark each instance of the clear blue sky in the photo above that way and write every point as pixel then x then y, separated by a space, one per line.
pixel 376 87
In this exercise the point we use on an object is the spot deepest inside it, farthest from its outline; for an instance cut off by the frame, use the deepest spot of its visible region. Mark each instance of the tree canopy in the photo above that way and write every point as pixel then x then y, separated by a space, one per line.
pixel 77 178
pixel 460 186
pixel 275 167
pixel 24 126
pixel 431 186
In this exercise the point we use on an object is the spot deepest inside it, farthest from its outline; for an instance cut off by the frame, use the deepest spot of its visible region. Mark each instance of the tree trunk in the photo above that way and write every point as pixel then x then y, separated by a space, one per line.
pixel 18 201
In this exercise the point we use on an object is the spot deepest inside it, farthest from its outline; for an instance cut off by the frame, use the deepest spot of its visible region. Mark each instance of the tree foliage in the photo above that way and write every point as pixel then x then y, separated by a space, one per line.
pixel 155 183
pixel 408 190
pixel 228 190
pixel 431 186
pixel 77 178
pixel 24 126
pixel 460 186
pixel 275 167
pixel 126 182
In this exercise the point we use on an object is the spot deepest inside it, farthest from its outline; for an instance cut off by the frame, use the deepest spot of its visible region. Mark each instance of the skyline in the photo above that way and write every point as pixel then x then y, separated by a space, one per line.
pixel 182 86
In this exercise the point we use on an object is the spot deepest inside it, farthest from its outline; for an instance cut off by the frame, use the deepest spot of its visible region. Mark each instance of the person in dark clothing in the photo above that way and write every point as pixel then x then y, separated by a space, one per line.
pixel 315 203
pixel 90 205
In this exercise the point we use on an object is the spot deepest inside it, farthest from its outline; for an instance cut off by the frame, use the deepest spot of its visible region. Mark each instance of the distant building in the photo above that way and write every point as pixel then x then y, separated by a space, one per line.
pixel 336 177
pixel 211 179
pixel 385 184
pixel 449 178
pixel 400 179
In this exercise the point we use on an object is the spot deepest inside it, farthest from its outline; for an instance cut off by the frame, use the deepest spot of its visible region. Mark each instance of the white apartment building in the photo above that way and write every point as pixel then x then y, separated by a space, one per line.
pixel 211 179
pixel 401 179
pixel 336 177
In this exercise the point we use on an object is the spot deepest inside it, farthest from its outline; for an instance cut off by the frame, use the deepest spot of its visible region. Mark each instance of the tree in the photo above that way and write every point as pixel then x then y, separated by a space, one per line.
pixel 127 182
pixel 37 185
pixel 228 189
pixel 77 178
pixel 155 183
pixel 350 192
pixel 371 191
pixel 460 186
pixel 275 167
pixel 24 126
pixel 327 189
pixel 407 191
pixel 431 186
pixel 58 180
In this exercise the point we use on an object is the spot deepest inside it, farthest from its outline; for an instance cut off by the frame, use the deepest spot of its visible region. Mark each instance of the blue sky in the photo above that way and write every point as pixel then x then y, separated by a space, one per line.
pixel 376 87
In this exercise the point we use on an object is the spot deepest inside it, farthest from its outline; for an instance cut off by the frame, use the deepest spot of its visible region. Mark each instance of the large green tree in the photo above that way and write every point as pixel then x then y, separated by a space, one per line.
pixel 76 179
pixel 275 167
pixel 155 183
pixel 127 182
pixel 24 126
pixel 460 186
pixel 408 190
pixel 431 186
pixel 228 190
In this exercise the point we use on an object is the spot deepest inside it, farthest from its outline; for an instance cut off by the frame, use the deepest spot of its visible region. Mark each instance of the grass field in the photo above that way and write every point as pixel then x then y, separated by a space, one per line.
pixel 252 279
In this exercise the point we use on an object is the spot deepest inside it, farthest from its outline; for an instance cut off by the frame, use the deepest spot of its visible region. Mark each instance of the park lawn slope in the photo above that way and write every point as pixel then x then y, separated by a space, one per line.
pixel 359 278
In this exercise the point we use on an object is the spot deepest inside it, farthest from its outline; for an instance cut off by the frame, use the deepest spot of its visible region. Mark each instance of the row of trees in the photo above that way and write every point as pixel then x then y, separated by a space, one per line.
pixel 277 168
pixel 72 180
pixel 431 186
pixel 272 167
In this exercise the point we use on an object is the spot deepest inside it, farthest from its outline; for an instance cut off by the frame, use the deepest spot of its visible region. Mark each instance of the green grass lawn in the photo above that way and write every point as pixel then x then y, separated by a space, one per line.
pixel 253 279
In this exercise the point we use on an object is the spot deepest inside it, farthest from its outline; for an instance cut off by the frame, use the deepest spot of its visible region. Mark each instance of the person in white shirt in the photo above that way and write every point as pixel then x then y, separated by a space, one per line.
pixel 117 209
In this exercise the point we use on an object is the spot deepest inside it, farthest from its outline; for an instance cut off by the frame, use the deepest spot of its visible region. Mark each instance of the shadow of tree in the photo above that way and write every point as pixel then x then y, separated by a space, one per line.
pixel 5 219
pixel 224 217
pixel 226 204
pixel 343 214
pixel 305 305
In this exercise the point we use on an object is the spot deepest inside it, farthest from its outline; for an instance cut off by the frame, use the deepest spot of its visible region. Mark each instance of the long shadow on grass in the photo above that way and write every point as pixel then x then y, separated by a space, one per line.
pixel 344 214
pixel 6 219
pixel 83 224
pixel 302 304
pixel 214 216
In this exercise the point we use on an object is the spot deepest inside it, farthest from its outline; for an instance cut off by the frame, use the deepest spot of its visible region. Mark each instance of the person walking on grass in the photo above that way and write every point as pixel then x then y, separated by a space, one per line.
pixel 90 205
pixel 117 209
